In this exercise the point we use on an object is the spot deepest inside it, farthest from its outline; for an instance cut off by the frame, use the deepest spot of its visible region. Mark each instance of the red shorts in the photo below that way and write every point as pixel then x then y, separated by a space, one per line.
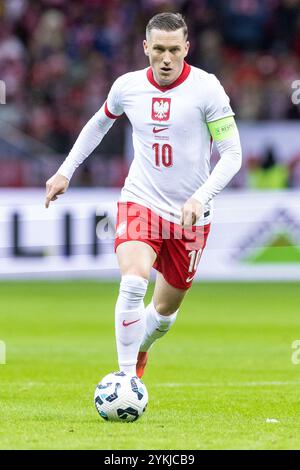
pixel 178 249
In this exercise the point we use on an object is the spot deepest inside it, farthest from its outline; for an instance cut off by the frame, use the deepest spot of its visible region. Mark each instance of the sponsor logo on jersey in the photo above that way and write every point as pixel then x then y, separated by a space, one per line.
pixel 161 109
pixel 226 109
pixel 159 129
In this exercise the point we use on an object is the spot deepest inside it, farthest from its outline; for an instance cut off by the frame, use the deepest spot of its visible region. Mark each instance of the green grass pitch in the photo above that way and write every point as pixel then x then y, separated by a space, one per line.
pixel 213 381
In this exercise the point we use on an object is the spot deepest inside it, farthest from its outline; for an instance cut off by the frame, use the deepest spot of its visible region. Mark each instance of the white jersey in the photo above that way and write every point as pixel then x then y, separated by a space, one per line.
pixel 172 143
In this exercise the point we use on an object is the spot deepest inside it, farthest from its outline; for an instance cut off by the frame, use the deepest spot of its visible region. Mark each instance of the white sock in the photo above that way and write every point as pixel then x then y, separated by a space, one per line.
pixel 157 325
pixel 130 321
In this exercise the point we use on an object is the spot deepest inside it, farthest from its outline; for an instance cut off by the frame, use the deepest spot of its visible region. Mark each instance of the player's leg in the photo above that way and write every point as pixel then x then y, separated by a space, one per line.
pixel 162 310
pixel 177 263
pixel 135 260
pixel 161 313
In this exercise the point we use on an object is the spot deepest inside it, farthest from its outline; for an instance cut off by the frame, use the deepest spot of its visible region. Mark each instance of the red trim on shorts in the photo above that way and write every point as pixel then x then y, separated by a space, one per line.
pixel 108 113
pixel 182 77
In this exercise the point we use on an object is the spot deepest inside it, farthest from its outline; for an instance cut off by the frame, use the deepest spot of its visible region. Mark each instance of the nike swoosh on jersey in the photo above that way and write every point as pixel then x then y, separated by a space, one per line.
pixel 127 323
pixel 160 129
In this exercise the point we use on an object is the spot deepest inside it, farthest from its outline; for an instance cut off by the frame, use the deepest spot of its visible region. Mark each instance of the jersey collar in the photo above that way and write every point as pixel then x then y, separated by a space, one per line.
pixel 182 77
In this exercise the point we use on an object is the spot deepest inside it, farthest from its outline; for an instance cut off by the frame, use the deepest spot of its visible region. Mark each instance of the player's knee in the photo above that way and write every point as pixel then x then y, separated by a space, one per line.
pixel 136 259
pixel 138 271
pixel 133 287
pixel 167 309
pixel 165 321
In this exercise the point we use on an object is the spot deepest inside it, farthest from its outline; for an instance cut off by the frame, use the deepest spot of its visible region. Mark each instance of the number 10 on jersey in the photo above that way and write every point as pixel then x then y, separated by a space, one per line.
pixel 163 154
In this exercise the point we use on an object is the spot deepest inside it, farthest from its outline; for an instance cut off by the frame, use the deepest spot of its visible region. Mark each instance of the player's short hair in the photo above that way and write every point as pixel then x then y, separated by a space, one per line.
pixel 167 22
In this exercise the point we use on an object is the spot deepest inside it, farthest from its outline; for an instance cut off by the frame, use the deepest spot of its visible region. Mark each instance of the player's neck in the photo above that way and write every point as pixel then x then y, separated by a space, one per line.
pixel 181 78
pixel 170 83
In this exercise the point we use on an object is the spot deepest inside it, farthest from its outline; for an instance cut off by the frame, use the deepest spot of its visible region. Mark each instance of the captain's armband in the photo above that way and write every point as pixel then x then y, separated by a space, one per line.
pixel 222 128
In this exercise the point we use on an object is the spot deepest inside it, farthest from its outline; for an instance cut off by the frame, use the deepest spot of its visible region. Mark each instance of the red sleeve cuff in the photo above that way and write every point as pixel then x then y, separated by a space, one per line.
pixel 108 113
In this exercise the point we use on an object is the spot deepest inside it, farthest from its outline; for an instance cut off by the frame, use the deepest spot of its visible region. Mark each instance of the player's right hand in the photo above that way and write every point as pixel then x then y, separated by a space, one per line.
pixel 56 185
pixel 190 212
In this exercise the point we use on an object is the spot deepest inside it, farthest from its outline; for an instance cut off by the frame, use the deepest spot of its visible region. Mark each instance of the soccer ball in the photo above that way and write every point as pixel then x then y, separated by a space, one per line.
pixel 121 397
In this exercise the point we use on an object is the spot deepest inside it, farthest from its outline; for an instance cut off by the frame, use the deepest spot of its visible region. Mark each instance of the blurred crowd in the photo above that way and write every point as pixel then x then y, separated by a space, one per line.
pixel 58 59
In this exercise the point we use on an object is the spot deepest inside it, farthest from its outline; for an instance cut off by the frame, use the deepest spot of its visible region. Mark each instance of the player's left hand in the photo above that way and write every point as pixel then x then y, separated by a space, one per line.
pixel 190 212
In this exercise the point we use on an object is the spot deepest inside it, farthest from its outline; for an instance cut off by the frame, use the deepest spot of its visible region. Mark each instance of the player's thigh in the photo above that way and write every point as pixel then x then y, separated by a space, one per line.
pixel 166 298
pixel 135 257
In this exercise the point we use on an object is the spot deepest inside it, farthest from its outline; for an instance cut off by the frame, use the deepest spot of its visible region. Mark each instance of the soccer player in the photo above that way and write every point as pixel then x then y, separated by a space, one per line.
pixel 165 208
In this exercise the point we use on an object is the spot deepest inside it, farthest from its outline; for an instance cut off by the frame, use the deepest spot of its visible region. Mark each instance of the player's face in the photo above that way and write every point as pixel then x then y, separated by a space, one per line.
pixel 166 51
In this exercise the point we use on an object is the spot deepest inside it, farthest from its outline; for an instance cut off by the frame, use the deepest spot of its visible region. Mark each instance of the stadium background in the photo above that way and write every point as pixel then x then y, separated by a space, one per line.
pixel 58 59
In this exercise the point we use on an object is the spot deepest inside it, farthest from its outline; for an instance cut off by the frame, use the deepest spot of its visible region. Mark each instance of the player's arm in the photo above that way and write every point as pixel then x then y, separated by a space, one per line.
pixel 226 137
pixel 224 132
pixel 88 139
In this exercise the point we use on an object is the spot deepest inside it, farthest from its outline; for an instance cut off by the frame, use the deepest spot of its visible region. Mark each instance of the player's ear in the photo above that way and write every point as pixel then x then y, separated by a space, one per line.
pixel 187 46
pixel 145 45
